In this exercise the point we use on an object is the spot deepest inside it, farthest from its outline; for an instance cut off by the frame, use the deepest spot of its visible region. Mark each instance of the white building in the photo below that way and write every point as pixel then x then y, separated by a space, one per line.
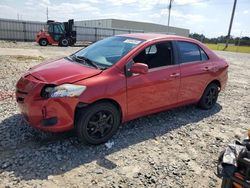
pixel 133 25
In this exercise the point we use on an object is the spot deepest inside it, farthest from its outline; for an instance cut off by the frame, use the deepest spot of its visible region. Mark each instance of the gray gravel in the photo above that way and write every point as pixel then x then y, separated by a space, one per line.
pixel 176 148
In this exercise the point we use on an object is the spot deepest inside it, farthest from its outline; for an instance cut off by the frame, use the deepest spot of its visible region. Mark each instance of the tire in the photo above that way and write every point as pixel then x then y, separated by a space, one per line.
pixel 64 42
pixel 43 42
pixel 226 183
pixel 71 42
pixel 209 97
pixel 97 123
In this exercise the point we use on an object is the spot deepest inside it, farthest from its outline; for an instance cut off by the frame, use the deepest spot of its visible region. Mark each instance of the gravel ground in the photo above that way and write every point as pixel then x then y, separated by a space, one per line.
pixel 176 148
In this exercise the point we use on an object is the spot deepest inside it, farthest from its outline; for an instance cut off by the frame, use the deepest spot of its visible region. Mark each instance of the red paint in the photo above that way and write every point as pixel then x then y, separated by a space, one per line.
pixel 45 35
pixel 139 68
pixel 62 71
pixel 138 95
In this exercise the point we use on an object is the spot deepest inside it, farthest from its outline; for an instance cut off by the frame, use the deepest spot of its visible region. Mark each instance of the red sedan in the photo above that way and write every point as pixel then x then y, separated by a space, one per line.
pixel 118 79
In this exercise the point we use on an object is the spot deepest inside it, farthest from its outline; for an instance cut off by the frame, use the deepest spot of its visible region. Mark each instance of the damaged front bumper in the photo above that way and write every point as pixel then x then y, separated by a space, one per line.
pixel 52 114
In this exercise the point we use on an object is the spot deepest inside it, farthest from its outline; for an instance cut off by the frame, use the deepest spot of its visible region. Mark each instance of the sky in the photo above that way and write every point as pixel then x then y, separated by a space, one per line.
pixel 208 17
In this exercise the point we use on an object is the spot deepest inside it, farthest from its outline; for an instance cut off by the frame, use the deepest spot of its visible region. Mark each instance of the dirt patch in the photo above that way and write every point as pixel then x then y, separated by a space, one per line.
pixel 26 58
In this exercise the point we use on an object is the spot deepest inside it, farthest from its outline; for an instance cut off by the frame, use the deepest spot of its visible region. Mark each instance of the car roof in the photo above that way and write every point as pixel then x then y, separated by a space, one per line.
pixel 154 36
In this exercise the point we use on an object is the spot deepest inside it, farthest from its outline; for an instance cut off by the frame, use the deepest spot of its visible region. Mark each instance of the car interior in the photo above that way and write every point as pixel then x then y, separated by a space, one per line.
pixel 156 55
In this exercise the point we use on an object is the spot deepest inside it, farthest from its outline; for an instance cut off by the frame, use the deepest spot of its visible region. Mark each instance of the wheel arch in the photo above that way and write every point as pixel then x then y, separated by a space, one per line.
pixel 45 38
pixel 83 106
pixel 216 81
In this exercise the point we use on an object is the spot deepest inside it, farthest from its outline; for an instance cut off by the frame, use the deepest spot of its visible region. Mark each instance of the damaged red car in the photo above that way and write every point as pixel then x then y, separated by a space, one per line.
pixel 118 79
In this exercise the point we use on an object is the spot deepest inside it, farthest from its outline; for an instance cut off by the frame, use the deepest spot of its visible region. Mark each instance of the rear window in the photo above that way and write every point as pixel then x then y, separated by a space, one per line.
pixel 191 52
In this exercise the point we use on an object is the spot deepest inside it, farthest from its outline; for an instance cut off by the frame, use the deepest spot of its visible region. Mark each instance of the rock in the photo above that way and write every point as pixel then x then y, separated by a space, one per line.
pixel 212 184
pixel 59 157
pixel 176 173
pixel 219 139
pixel 50 177
pixel 136 175
pixel 109 144
pixel 6 165
pixel 98 171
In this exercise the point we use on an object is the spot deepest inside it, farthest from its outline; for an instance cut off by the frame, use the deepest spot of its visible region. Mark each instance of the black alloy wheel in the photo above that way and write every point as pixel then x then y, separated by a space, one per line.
pixel 97 123
pixel 100 124
pixel 209 97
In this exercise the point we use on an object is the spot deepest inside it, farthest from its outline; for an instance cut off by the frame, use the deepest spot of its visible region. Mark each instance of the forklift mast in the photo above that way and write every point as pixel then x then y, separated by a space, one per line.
pixel 69 26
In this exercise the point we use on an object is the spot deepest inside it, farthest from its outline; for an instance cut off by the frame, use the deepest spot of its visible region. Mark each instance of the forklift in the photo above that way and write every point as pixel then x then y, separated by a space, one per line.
pixel 57 33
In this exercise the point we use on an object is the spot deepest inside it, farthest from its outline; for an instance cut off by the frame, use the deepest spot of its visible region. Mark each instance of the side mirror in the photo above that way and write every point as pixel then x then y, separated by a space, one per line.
pixel 139 68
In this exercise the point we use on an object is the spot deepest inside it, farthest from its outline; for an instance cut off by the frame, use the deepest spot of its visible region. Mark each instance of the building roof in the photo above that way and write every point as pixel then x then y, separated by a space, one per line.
pixel 153 36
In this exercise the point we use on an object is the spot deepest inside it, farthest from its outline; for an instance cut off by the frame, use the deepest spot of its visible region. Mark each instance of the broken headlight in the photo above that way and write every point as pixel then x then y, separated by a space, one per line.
pixel 64 90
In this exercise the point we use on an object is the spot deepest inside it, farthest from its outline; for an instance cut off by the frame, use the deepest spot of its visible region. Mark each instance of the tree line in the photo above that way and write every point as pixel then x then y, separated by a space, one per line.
pixel 238 41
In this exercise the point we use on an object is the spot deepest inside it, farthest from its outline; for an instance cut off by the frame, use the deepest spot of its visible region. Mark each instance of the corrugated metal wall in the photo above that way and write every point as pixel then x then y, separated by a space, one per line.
pixel 106 23
pixel 19 30
pixel 96 33
pixel 26 31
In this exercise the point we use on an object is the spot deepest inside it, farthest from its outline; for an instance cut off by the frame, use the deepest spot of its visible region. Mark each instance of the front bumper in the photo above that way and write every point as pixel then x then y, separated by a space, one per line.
pixel 53 114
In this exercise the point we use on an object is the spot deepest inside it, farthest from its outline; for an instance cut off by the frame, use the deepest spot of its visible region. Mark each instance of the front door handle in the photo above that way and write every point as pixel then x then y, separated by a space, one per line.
pixel 174 75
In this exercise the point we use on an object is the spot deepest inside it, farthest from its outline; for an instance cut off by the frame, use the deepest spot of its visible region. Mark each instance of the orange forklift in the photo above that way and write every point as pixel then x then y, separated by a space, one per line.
pixel 57 33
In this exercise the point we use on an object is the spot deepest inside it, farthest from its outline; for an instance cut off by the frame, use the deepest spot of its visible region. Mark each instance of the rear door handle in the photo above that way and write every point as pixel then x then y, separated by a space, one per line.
pixel 174 75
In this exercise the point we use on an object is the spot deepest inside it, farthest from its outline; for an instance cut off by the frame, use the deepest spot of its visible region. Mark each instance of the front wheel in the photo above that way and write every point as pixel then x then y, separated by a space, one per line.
pixel 98 123
pixel 64 42
pixel 209 97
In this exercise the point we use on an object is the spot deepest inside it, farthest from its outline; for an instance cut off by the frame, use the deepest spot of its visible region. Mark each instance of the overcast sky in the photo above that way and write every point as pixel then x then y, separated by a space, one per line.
pixel 210 17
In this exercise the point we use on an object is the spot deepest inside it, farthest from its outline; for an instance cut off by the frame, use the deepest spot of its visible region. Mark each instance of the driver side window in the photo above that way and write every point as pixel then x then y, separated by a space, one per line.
pixel 156 55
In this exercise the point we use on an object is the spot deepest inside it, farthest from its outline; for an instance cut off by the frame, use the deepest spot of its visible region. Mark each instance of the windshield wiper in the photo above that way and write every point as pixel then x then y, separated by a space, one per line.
pixel 86 60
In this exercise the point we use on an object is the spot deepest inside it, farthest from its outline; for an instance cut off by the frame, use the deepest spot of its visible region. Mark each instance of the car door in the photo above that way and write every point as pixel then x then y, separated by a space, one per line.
pixel 194 68
pixel 159 87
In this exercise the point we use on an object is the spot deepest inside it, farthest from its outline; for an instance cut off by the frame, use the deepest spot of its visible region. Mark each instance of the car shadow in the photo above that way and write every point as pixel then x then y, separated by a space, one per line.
pixel 31 154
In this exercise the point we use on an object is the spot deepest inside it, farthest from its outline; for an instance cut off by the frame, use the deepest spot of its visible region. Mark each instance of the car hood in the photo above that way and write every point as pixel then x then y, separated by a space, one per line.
pixel 62 71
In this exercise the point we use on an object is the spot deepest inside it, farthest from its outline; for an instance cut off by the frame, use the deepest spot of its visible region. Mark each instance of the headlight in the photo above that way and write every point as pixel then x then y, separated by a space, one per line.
pixel 65 90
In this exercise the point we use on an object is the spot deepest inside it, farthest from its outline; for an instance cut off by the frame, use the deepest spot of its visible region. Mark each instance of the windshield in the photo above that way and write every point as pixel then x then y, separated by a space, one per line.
pixel 109 51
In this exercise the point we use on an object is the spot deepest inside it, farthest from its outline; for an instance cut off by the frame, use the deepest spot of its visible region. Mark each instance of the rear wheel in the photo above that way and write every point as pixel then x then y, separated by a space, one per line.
pixel 64 42
pixel 98 123
pixel 209 97
pixel 43 42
